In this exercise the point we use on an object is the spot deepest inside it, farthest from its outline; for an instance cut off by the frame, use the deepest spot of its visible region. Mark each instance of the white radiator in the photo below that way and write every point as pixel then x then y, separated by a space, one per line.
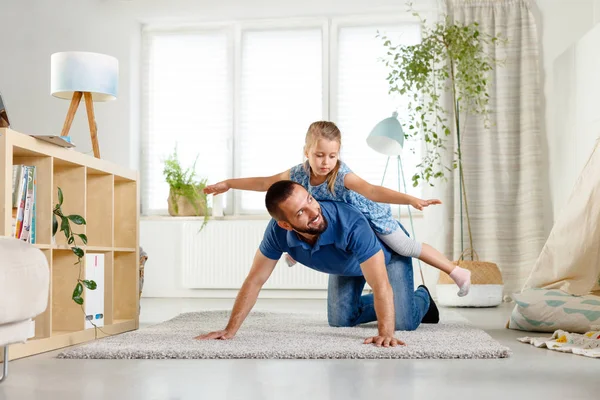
pixel 220 257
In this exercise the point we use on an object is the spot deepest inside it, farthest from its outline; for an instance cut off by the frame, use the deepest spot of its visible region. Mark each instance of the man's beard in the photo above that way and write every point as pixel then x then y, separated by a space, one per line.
pixel 312 231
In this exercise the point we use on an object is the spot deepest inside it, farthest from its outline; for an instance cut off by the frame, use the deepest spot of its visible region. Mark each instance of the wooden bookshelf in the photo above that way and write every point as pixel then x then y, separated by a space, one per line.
pixel 107 196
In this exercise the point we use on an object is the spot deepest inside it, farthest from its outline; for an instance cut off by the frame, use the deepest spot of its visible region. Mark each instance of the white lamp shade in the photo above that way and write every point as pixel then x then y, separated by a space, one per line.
pixel 387 137
pixel 77 71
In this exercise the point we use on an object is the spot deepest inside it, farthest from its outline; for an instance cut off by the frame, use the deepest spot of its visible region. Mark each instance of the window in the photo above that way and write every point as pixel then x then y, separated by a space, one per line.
pixel 362 100
pixel 242 98
pixel 281 94
pixel 188 105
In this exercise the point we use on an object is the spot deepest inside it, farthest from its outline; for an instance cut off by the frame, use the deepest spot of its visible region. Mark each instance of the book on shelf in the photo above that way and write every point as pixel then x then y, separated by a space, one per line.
pixel 24 199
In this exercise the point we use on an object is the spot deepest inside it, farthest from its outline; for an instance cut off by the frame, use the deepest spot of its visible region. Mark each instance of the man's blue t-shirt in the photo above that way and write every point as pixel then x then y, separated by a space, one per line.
pixel 347 242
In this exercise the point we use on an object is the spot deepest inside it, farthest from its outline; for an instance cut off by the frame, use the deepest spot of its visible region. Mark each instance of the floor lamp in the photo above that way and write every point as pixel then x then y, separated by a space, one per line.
pixel 387 137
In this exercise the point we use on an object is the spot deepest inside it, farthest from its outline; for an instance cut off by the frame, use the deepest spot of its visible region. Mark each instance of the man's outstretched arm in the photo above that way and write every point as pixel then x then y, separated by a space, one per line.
pixel 375 274
pixel 261 270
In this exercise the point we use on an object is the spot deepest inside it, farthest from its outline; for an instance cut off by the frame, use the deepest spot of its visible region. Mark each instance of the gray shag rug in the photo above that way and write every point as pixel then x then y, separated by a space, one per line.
pixel 287 335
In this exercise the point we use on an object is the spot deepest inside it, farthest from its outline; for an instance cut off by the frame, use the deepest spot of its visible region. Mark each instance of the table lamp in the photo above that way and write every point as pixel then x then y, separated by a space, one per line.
pixel 387 137
pixel 93 76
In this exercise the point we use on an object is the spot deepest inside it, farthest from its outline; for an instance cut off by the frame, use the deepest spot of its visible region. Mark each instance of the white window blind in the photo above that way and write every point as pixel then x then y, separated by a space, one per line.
pixel 362 100
pixel 280 95
pixel 188 103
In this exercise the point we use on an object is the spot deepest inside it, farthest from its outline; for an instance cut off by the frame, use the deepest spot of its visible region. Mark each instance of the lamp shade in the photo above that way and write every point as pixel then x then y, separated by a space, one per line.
pixel 77 71
pixel 387 137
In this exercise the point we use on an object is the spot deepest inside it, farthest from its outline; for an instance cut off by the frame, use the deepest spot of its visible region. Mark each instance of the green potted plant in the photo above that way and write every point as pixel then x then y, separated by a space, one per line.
pixel 450 59
pixel 65 226
pixel 186 193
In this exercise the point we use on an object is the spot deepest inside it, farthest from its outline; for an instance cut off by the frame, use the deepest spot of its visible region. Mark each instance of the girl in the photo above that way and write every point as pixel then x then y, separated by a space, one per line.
pixel 326 177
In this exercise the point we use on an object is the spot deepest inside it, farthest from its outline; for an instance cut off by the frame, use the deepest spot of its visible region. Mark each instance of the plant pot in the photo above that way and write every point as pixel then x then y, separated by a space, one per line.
pixel 182 207
pixel 486 285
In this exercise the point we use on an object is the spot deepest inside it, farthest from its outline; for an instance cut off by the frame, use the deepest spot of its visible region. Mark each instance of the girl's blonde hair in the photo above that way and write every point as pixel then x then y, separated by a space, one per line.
pixel 323 130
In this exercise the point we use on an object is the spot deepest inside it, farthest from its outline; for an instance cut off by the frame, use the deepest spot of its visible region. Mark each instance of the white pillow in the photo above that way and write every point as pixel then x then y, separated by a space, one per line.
pixel 547 310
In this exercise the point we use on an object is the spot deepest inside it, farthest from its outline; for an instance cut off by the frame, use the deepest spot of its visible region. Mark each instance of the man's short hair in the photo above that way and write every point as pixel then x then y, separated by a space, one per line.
pixel 278 193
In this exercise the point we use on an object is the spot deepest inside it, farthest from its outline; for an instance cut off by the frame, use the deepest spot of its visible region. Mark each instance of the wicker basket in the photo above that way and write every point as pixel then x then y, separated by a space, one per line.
pixel 486 284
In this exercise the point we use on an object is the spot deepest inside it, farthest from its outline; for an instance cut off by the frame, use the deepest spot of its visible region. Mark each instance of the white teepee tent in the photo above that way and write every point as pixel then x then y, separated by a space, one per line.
pixel 563 289
pixel 570 259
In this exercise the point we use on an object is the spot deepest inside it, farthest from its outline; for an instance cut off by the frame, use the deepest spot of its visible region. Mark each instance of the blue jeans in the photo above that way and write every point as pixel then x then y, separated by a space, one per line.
pixel 346 306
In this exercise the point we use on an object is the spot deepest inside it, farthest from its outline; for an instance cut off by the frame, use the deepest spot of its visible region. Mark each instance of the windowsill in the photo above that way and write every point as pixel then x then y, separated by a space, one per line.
pixel 246 217
pixel 201 218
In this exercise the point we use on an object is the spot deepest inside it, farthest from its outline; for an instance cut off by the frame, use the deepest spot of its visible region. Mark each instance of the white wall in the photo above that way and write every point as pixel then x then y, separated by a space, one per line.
pixel 34 29
pixel 561 24
pixel 576 120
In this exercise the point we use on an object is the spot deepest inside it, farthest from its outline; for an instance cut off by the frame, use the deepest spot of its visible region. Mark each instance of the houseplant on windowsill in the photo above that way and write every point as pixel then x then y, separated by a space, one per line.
pixel 186 193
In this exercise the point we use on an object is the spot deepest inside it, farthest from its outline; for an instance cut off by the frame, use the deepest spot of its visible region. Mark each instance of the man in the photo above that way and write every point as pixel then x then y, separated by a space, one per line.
pixel 335 238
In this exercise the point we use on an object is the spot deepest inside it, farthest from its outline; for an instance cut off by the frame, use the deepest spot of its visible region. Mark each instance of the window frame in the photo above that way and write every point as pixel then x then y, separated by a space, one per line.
pixel 353 21
pixel 147 34
pixel 365 21
pixel 234 202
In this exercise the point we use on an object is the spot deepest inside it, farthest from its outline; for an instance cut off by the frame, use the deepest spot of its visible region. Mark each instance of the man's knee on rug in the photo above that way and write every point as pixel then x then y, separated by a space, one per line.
pixel 339 322
pixel 339 319
pixel 404 325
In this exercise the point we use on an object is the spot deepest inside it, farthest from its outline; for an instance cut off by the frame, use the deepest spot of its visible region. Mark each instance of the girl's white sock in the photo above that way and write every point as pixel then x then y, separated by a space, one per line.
pixel 462 277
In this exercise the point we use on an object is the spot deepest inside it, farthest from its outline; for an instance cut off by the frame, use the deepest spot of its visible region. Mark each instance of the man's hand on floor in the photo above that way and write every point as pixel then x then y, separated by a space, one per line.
pixel 220 335
pixel 384 341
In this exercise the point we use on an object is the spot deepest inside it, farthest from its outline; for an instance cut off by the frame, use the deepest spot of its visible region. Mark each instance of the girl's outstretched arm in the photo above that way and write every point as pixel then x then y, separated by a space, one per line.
pixel 257 184
pixel 381 194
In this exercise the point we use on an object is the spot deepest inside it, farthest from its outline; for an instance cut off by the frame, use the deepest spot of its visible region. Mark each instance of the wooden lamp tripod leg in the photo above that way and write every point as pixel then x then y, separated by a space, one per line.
pixel 71 113
pixel 89 105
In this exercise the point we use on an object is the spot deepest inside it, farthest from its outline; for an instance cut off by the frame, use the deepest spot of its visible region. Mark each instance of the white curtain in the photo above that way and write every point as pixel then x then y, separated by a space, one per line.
pixel 502 166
